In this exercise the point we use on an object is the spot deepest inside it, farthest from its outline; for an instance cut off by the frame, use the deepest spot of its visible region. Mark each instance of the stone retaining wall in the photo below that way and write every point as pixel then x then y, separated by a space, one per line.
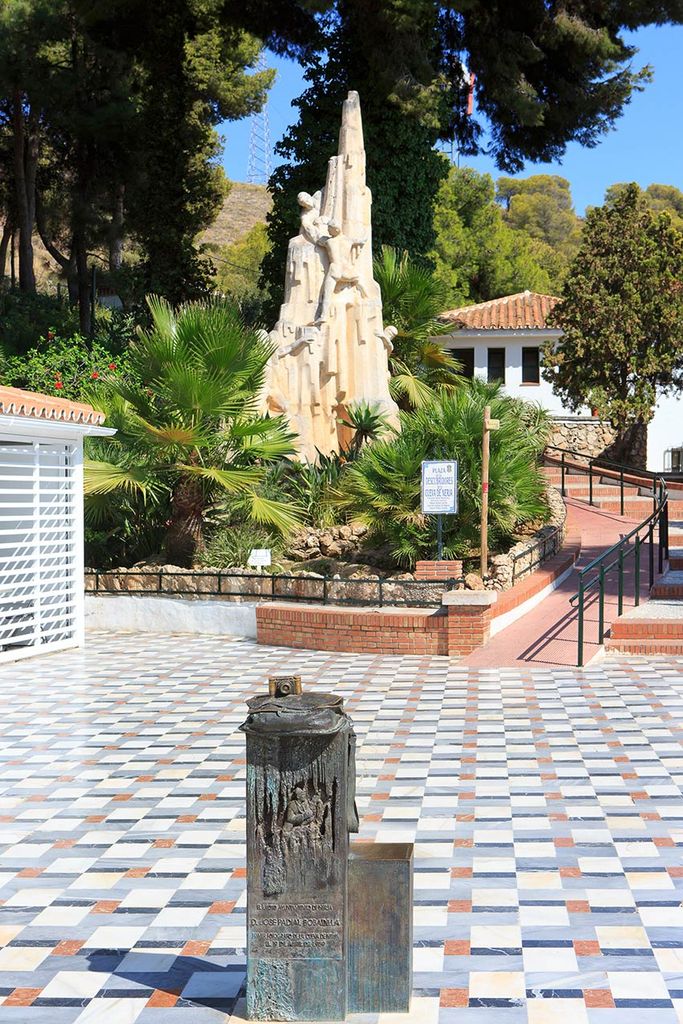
pixel 594 437
pixel 241 585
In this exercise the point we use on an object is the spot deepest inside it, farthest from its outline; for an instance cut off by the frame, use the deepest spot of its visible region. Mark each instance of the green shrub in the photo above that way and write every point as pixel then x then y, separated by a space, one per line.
pixel 382 487
pixel 68 366
pixel 26 319
pixel 230 546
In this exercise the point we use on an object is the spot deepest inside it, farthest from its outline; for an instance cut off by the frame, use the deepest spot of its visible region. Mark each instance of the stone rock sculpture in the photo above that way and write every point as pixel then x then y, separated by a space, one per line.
pixel 332 348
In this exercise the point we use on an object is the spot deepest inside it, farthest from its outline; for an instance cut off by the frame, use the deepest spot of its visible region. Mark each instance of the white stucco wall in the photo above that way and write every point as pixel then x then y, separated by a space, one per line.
pixel 159 614
pixel 665 430
pixel 513 342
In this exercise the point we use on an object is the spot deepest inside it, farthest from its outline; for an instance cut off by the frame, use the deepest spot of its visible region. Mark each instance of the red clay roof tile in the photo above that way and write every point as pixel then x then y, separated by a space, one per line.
pixel 511 312
pixel 15 402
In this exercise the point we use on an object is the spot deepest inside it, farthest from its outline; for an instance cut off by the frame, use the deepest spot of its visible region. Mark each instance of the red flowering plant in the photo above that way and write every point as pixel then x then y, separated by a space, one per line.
pixel 69 366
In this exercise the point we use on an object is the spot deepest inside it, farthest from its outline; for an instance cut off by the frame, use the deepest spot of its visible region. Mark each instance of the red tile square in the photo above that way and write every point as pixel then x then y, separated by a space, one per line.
pixel 162 999
pixel 196 947
pixel 454 997
pixel 598 998
pixel 222 907
pixel 587 947
pixel 22 997
pixel 456 947
pixel 67 947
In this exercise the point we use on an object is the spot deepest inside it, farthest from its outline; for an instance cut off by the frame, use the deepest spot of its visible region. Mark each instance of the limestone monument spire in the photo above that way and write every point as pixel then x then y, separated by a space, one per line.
pixel 332 348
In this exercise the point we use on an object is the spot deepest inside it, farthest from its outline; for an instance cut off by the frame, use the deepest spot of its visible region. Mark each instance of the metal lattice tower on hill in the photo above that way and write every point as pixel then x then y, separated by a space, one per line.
pixel 258 169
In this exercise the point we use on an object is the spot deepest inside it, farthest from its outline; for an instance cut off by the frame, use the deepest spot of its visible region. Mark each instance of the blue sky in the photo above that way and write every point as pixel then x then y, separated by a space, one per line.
pixel 646 146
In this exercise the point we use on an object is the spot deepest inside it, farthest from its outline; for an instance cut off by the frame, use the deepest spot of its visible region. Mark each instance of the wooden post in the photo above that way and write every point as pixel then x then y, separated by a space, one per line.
pixel 489 425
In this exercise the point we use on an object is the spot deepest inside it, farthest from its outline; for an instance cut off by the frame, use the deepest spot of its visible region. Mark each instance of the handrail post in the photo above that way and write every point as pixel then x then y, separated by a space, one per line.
pixel 601 604
pixel 636 570
pixel 590 481
pixel 580 622
pixel 620 592
pixel 381 593
pixel 651 554
pixel 621 488
pixel 563 489
pixel 665 510
pixel 324 589
pixel 660 559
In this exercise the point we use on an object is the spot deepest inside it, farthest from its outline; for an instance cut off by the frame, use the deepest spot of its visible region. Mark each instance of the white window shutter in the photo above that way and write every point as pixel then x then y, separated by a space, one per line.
pixel 41 581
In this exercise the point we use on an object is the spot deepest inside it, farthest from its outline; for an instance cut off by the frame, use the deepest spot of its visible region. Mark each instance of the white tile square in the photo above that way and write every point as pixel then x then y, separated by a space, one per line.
pixel 60 917
pixel 179 917
pixel 114 937
pixel 497 985
pixel 637 985
pixel 74 984
pixel 23 958
pixel 112 1010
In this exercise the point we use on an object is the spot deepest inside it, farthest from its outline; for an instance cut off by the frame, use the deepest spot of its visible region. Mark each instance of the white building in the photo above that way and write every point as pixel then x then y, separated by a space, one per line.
pixel 41 521
pixel 501 340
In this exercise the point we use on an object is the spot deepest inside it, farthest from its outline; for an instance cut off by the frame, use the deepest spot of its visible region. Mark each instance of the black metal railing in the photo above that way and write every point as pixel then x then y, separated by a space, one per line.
pixel 594 576
pixel 360 592
pixel 600 468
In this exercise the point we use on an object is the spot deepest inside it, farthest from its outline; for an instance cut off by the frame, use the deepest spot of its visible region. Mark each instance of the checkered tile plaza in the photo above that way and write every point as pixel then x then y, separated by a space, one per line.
pixel 545 806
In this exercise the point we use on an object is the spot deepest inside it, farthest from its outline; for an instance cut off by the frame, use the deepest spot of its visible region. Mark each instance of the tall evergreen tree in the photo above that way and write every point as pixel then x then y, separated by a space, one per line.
pixel 477 254
pixel 621 315
pixel 400 121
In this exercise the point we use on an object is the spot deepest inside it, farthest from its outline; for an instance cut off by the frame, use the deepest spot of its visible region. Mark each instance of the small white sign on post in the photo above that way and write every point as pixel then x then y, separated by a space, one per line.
pixel 259 558
pixel 440 488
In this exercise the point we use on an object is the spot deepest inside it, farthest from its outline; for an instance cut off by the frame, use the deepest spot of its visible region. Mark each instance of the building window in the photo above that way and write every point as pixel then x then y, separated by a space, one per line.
pixel 531 365
pixel 496 367
pixel 465 357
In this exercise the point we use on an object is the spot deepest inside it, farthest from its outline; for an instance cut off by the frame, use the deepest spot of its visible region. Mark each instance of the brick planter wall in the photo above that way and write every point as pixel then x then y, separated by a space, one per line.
pixel 358 630
pixel 460 626
pixel 445 570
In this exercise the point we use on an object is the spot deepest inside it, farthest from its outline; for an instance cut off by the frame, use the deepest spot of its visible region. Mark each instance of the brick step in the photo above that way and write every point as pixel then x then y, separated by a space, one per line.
pixel 582 491
pixel 676 559
pixel 664 590
pixel 646 647
pixel 625 628
pixel 608 486
pixel 555 478
pixel 637 508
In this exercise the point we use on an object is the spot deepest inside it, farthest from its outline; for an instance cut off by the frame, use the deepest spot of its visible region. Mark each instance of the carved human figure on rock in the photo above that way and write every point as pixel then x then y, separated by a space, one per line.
pixel 332 347
pixel 342 255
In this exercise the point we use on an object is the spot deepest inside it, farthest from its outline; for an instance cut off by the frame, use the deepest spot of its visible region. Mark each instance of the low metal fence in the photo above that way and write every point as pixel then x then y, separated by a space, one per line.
pixel 537 553
pixel 324 590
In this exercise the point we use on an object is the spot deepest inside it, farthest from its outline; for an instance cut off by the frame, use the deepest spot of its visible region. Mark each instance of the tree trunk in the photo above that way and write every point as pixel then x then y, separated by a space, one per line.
pixel 83 278
pixel 184 538
pixel 630 446
pixel 116 232
pixel 25 152
pixel 7 232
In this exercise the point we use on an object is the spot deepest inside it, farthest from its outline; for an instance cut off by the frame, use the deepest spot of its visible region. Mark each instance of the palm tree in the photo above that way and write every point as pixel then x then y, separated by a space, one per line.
pixel 366 423
pixel 381 488
pixel 191 435
pixel 412 301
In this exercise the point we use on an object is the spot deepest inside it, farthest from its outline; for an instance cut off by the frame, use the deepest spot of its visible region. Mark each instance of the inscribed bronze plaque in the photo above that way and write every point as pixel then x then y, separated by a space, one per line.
pixel 297 928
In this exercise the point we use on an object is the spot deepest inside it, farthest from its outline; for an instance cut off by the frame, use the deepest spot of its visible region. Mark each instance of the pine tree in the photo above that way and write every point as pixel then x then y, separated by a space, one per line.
pixel 403 169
